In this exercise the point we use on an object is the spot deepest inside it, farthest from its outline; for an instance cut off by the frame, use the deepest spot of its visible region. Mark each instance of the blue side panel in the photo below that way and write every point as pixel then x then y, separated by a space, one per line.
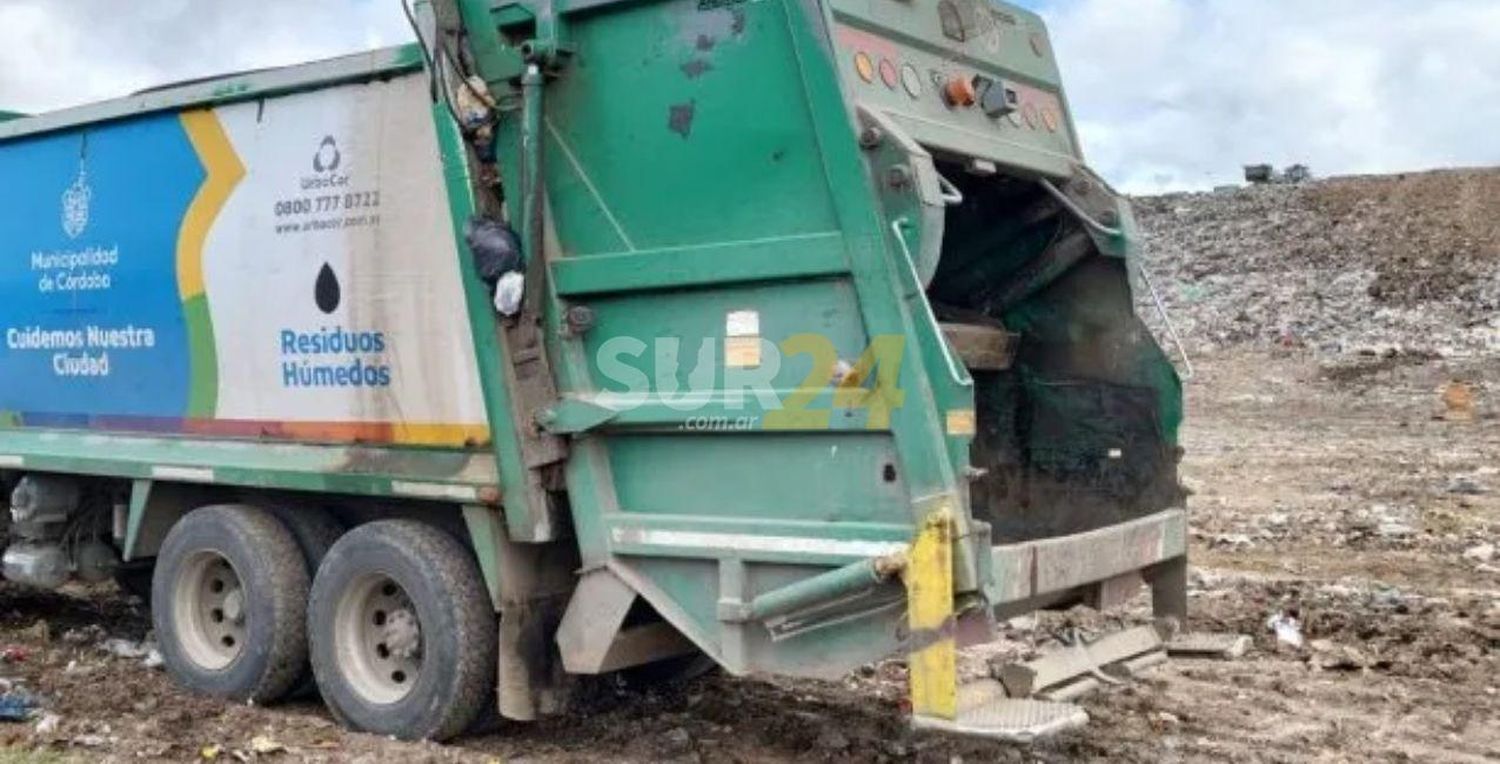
pixel 90 312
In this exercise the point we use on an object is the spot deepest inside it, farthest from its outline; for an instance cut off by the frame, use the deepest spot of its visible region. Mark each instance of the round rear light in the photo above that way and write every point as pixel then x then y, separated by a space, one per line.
pixel 1029 114
pixel 911 81
pixel 864 67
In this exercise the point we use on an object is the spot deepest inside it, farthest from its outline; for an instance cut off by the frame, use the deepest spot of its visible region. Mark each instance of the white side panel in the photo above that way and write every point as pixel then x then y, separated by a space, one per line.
pixel 344 187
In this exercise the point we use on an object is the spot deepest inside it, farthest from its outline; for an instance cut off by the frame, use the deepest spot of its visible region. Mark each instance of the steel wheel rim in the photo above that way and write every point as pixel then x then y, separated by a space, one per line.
pixel 377 639
pixel 209 610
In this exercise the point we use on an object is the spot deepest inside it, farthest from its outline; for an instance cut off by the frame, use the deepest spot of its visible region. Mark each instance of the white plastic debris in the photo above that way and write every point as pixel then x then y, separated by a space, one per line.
pixel 1287 628
pixel 48 724
pixel 508 293
pixel 144 650
pixel 1394 529
pixel 124 648
pixel 1480 553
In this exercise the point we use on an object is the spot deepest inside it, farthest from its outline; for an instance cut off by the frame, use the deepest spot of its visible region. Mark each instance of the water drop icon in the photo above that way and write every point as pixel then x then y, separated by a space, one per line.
pixel 326 292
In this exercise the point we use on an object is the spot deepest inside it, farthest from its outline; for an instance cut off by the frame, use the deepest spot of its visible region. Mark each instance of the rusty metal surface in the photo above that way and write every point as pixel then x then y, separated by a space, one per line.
pixel 1027 570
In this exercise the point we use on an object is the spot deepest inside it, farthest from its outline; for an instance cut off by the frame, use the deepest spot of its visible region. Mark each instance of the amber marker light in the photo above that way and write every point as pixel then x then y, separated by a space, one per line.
pixel 959 91
pixel 864 66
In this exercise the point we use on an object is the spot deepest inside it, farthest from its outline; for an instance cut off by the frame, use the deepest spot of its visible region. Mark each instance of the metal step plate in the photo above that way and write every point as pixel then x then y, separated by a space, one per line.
pixel 1209 645
pixel 1015 720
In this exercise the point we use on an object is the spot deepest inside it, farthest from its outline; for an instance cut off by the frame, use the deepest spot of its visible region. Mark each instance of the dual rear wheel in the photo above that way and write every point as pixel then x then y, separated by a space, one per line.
pixel 391 618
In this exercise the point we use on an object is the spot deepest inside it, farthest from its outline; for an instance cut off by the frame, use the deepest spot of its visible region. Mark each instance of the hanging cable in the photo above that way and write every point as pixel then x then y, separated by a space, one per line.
pixel 435 72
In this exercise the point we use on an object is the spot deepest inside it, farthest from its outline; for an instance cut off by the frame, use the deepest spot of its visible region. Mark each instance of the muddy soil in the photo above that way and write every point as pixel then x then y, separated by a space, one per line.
pixel 1337 494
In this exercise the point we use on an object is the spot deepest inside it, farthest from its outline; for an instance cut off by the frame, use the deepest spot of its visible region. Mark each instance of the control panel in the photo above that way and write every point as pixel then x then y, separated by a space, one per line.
pixel 966 77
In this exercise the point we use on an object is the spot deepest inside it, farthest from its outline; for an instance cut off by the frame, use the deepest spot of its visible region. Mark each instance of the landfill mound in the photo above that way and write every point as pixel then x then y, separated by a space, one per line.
pixel 1384 265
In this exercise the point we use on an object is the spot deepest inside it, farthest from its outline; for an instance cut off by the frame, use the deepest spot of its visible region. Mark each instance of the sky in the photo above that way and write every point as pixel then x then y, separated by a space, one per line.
pixel 1168 94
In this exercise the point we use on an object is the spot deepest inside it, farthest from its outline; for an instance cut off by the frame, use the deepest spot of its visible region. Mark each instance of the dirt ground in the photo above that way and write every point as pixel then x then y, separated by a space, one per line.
pixel 1333 494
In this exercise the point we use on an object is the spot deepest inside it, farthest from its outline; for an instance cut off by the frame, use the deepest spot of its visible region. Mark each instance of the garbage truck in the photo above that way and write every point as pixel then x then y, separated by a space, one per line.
pixel 585 335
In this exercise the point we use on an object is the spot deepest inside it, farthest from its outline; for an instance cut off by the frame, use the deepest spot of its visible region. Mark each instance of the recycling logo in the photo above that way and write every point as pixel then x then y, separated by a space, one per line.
pixel 328 157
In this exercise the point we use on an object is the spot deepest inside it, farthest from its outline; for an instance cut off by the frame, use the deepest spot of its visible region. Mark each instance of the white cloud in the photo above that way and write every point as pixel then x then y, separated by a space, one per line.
pixel 56 54
pixel 1180 93
pixel 1168 93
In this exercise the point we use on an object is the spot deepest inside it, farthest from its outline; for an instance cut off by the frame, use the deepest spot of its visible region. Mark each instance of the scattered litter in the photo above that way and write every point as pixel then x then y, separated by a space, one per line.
pixel 1272 263
pixel 123 648
pixel 85 635
pixel 38 632
pixel 1465 485
pixel 1232 541
pixel 1287 628
pixel 1394 529
pixel 210 752
pixel 48 724
pixel 90 741
pixel 1329 656
pixel 1480 553
pixel 678 738
pixel 508 293
pixel 14 654
pixel 1022 622
pixel 1208 645
pixel 264 745
pixel 1164 719
pixel 16 705
pixel 145 650
pixel 1458 402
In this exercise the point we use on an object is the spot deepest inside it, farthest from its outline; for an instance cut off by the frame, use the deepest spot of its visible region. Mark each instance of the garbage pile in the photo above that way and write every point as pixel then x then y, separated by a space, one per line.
pixel 1388 265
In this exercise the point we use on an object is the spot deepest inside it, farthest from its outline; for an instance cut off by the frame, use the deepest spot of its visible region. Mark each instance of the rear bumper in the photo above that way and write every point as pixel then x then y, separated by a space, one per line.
pixel 1042 569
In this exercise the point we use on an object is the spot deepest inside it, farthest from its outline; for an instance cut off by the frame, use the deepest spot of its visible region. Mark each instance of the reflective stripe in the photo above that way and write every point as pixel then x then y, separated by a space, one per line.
pixel 749 543
pixel 187 474
pixel 435 490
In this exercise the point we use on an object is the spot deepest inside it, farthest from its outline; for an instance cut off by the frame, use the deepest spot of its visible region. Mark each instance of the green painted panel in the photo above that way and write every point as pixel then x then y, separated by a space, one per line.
pixel 637 330
pixel 831 477
pixel 445 474
pixel 678 126
pixel 769 259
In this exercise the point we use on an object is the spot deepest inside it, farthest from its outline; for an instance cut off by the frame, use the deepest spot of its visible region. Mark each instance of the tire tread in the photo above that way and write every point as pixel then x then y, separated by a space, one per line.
pixel 275 555
pixel 454 571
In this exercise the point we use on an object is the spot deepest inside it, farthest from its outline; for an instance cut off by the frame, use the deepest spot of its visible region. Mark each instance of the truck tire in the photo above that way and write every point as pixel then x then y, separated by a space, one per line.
pixel 402 634
pixel 315 530
pixel 229 603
